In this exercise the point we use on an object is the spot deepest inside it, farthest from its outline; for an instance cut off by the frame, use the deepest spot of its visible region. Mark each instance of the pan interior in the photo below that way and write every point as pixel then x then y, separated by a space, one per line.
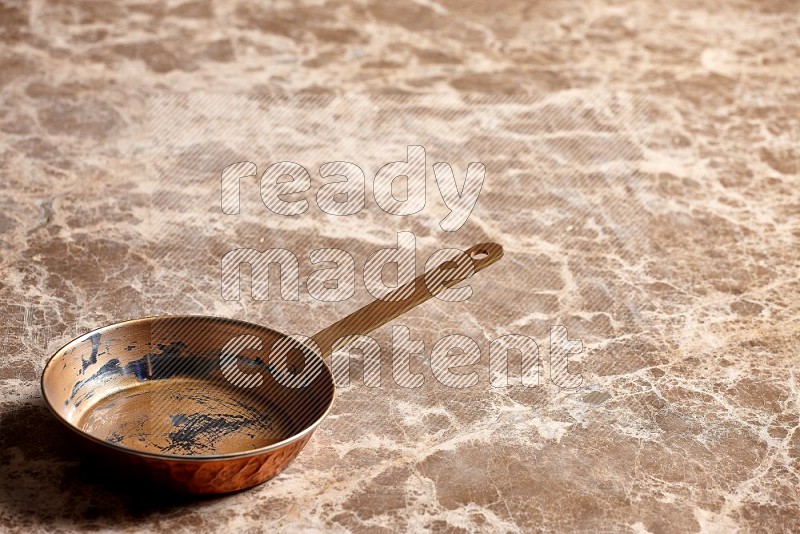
pixel 185 416
pixel 157 386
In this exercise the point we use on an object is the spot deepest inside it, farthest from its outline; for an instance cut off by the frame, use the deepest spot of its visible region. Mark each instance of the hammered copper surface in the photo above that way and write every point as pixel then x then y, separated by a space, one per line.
pixel 203 477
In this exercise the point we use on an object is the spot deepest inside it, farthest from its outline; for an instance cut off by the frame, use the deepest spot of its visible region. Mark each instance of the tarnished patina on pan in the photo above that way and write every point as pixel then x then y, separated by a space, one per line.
pixel 153 396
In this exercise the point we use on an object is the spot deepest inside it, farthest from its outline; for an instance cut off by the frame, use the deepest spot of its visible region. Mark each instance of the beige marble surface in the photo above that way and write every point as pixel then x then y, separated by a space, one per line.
pixel 642 166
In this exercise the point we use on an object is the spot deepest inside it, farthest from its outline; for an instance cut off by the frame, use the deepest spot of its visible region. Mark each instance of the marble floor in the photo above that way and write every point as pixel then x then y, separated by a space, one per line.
pixel 642 172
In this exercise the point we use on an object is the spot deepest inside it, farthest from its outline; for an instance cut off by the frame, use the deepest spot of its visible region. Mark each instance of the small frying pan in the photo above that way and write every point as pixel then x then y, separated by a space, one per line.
pixel 210 405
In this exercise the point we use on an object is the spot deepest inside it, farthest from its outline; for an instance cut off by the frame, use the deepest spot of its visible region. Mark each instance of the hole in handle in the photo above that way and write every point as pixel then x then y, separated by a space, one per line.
pixel 479 254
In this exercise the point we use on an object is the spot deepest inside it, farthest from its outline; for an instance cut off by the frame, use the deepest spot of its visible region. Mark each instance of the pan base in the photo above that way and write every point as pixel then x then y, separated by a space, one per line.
pixel 185 417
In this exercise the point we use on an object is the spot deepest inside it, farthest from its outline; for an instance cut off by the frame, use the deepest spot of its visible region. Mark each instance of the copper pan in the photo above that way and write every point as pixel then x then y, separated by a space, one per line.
pixel 188 402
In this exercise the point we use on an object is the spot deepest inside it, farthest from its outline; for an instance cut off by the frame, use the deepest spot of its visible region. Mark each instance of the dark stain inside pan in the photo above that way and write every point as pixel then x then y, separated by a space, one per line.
pixel 185 417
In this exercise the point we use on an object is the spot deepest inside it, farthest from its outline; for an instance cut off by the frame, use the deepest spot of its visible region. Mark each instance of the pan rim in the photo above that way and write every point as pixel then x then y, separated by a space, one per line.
pixel 177 457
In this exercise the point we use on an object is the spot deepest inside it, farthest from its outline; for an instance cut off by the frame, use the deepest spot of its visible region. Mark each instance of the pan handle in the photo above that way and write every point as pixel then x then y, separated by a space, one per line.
pixel 411 295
